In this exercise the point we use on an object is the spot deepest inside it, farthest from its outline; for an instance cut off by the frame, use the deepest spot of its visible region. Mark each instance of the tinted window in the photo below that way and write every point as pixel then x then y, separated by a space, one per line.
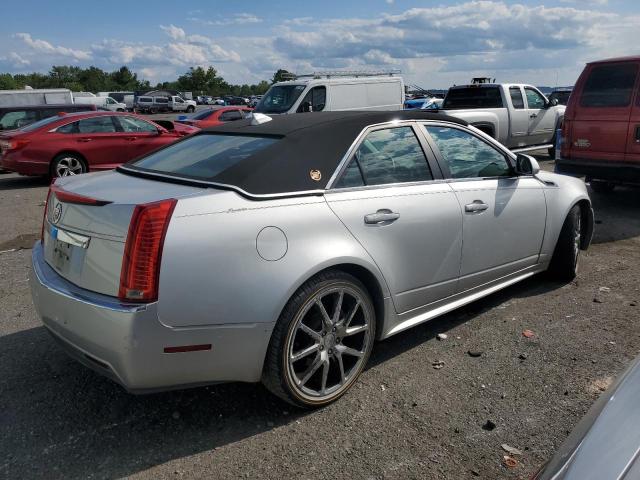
pixel 473 97
pixel 317 97
pixel 132 124
pixel 534 99
pixel 392 155
pixel 145 100
pixel 68 128
pixel 516 98
pixel 351 177
pixel 204 156
pixel 40 123
pixel 161 100
pixel 609 86
pixel 466 155
pixel 203 114
pixel 17 119
pixel 230 116
pixel 96 125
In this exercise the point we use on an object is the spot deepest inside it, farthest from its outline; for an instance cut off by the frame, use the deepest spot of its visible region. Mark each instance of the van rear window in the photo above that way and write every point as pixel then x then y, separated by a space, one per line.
pixel 609 86
pixel 473 97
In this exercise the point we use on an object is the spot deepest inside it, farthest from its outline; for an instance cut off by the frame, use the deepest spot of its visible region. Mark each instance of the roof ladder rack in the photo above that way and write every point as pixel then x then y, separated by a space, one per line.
pixel 342 73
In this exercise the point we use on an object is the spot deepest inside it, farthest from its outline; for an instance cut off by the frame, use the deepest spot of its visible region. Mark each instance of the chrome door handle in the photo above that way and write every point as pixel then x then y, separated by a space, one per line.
pixel 533 115
pixel 84 140
pixel 476 206
pixel 381 216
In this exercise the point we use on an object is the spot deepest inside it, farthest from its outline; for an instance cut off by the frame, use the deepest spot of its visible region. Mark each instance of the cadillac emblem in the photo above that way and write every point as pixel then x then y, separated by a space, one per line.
pixel 57 213
pixel 315 175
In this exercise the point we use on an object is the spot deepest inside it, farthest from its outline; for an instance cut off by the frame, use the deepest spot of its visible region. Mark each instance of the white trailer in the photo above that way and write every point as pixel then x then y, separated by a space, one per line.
pixel 32 96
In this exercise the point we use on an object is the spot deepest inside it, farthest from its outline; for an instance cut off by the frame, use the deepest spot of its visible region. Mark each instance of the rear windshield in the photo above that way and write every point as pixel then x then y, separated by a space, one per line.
pixel 40 123
pixel 609 86
pixel 473 97
pixel 205 156
pixel 203 114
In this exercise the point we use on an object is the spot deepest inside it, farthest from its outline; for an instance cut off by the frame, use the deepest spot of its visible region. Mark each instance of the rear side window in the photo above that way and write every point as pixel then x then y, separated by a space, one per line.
pixel 473 97
pixel 609 85
pixel 391 155
pixel 204 156
pixel 516 98
pixel 466 155
pixel 96 125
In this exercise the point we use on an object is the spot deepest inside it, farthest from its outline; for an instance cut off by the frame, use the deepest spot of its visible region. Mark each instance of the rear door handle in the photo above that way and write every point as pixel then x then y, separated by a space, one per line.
pixel 476 206
pixel 84 140
pixel 132 139
pixel 381 216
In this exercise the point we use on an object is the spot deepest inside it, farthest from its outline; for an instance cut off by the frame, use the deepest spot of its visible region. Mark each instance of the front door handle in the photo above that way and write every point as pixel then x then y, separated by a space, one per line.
pixel 533 115
pixel 84 140
pixel 381 216
pixel 132 139
pixel 476 206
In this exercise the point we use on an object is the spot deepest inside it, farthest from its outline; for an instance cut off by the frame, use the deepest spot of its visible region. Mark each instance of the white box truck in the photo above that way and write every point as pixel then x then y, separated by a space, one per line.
pixel 107 103
pixel 32 96
pixel 334 91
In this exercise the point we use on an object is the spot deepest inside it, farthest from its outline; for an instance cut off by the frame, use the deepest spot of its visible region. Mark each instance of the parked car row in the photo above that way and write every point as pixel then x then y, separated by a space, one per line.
pixel 160 104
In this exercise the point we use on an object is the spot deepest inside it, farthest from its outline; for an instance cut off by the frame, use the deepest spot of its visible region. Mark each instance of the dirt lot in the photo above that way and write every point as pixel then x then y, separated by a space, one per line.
pixel 404 419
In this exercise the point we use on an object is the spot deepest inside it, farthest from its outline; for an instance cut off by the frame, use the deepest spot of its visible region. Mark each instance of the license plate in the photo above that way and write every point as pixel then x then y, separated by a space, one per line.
pixel 62 252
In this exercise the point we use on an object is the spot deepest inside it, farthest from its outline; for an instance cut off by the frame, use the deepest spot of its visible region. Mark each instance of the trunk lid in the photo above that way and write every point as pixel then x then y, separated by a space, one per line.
pixel 85 243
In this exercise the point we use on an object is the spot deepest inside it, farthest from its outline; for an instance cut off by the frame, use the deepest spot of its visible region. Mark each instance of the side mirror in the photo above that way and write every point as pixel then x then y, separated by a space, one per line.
pixel 526 165
pixel 552 103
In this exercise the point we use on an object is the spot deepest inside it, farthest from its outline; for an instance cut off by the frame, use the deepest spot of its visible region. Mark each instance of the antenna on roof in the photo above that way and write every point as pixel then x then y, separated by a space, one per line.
pixel 342 73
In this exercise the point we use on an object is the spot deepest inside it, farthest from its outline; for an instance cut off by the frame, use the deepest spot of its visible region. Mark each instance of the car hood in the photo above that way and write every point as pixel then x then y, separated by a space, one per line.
pixel 606 442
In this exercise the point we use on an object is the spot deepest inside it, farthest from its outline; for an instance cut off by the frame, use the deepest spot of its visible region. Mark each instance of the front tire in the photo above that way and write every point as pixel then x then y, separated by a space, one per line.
pixel 67 164
pixel 566 256
pixel 191 109
pixel 321 342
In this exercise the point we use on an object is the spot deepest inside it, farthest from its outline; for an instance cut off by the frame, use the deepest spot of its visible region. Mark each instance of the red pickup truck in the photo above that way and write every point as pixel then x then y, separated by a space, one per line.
pixel 601 130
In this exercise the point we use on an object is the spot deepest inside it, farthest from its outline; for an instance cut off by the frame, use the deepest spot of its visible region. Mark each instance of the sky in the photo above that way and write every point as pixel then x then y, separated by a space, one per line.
pixel 433 43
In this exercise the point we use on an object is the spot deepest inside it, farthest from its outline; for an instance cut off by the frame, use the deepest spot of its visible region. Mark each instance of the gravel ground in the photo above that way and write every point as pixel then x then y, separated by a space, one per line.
pixel 404 419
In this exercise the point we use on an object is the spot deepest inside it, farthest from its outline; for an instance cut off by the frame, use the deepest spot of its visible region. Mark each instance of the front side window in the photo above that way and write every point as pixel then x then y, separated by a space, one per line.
pixel 102 124
pixel 609 86
pixel 516 98
pixel 279 98
pixel 466 155
pixel 135 125
pixel 534 99
pixel 390 155
pixel 316 98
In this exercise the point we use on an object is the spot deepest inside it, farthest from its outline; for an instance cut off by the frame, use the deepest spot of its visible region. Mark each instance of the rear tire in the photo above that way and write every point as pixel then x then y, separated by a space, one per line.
pixel 321 342
pixel 67 164
pixel 566 256
pixel 601 186
pixel 191 109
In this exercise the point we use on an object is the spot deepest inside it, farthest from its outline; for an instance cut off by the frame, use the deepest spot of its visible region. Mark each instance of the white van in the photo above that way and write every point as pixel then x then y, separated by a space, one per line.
pixel 108 103
pixel 334 92
pixel 32 96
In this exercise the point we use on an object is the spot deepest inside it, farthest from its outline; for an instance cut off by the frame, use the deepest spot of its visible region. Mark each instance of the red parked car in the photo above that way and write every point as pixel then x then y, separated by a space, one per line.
pixel 216 116
pixel 601 130
pixel 74 143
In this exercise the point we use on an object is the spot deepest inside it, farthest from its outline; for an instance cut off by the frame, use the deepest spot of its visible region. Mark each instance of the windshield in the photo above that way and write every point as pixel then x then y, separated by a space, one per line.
pixel 279 98
pixel 473 97
pixel 40 123
pixel 205 156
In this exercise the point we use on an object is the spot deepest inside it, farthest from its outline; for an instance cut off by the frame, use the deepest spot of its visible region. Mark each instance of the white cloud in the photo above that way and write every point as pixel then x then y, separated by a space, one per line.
pixel 174 32
pixel 236 19
pixel 45 47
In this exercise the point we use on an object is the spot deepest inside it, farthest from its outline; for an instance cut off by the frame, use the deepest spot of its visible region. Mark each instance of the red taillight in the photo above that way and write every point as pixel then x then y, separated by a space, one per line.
pixel 143 251
pixel 44 215
pixel 15 144
pixel 70 197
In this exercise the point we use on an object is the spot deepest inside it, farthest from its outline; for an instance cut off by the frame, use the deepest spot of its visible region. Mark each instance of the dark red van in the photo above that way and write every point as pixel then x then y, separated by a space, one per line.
pixel 601 130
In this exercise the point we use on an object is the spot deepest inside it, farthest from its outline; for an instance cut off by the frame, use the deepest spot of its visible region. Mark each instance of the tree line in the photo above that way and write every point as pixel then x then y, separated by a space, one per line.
pixel 198 80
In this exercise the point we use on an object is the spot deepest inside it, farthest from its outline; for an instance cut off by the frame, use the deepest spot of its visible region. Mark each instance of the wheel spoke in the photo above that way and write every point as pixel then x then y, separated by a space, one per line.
pixel 304 353
pixel 355 330
pixel 310 371
pixel 344 350
pixel 325 374
pixel 338 309
pixel 341 366
pixel 309 331
pixel 352 314
pixel 326 320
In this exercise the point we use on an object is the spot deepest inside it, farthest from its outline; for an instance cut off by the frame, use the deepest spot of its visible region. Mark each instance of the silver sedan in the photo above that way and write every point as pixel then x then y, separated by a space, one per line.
pixel 280 249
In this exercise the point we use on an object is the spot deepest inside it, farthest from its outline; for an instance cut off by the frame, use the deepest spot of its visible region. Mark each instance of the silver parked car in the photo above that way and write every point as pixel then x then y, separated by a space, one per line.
pixel 606 442
pixel 278 250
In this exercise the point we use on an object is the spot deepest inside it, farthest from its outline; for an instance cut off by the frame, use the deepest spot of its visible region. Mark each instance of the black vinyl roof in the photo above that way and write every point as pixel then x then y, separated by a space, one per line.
pixel 307 141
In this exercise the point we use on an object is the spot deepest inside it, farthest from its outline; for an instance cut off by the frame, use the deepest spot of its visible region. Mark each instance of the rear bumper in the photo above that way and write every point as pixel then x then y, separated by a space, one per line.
pixel 12 163
pixel 624 172
pixel 126 342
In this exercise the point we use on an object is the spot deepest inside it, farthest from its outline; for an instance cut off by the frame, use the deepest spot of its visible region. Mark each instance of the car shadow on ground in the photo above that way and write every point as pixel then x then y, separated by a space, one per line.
pixel 617 214
pixel 10 181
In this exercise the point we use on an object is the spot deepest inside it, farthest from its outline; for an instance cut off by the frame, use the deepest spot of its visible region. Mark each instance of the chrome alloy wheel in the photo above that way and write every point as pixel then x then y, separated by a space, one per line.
pixel 67 166
pixel 329 343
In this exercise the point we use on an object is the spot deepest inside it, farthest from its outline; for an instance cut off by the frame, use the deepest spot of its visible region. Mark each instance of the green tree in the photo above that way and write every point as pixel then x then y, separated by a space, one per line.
pixel 281 75
pixel 94 79
pixel 124 79
pixel 261 88
pixel 7 82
